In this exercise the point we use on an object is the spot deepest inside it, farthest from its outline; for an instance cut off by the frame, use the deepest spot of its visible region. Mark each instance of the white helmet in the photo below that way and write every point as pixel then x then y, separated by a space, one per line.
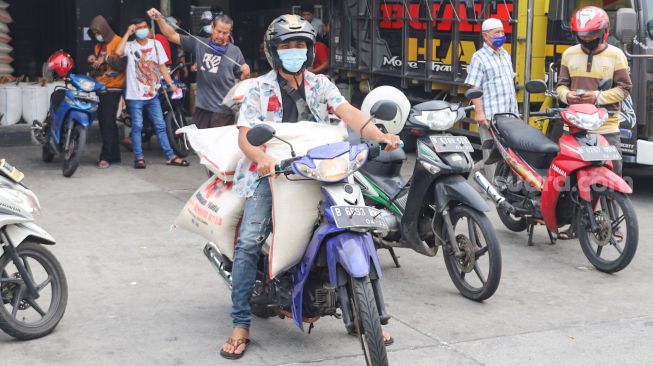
pixel 388 93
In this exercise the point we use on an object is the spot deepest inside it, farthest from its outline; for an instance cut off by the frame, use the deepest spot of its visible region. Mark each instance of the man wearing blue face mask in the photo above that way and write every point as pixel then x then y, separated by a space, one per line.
pixel 491 71
pixel 219 65
pixel 287 94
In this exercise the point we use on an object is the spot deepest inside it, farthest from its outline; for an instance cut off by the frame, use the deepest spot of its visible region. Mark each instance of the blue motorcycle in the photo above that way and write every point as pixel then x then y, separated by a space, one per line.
pixel 340 269
pixel 72 110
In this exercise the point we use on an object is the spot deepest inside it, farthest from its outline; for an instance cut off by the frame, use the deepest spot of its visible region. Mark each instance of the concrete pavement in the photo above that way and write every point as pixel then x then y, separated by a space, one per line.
pixel 141 294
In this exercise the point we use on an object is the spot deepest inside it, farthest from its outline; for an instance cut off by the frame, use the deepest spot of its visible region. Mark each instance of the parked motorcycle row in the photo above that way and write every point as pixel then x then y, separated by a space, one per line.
pixel 365 207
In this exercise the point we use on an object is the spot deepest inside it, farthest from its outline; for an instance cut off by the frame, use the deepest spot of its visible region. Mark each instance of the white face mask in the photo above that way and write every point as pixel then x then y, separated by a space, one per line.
pixel 207 29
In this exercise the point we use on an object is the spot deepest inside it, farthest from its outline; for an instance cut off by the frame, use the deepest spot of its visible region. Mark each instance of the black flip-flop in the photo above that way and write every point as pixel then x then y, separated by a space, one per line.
pixel 235 343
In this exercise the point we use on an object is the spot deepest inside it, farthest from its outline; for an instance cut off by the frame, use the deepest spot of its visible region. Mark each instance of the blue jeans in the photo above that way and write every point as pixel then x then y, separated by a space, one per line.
pixel 153 107
pixel 254 229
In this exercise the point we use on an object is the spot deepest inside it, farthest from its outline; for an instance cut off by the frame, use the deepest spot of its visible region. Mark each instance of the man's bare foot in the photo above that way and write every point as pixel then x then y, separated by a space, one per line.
pixel 236 345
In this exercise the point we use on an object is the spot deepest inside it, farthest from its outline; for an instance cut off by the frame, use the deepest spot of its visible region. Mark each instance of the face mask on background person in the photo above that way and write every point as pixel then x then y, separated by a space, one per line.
pixel 99 38
pixel 207 29
pixel 498 41
pixel 293 59
pixel 142 33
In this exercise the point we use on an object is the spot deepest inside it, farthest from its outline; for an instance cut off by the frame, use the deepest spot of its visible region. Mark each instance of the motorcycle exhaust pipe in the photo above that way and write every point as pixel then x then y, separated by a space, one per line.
pixel 496 197
pixel 219 261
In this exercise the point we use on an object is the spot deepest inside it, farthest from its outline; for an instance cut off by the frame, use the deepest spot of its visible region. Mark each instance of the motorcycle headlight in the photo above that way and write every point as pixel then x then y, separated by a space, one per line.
pixel 437 120
pixel 87 85
pixel 24 198
pixel 587 121
pixel 332 170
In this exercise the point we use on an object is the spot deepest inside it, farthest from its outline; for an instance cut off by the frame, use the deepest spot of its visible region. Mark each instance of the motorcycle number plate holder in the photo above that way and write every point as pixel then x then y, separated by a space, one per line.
pixel 599 153
pixel 357 217
pixel 450 143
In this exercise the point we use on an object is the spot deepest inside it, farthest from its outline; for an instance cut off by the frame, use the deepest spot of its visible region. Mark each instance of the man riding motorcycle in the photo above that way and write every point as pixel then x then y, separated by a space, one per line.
pixel 289 93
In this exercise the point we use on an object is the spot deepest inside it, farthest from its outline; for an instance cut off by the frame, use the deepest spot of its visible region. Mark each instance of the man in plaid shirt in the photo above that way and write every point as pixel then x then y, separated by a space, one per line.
pixel 491 71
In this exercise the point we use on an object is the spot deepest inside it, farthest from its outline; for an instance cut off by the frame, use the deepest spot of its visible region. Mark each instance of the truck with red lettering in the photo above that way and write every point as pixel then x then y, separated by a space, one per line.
pixel 425 46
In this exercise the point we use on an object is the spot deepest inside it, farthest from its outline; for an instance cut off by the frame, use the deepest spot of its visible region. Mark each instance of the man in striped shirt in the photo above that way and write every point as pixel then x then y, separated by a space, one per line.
pixel 491 71
pixel 584 65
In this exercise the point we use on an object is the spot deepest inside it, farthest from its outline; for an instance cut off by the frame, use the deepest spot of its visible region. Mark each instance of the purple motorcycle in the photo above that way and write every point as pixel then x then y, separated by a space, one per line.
pixel 339 274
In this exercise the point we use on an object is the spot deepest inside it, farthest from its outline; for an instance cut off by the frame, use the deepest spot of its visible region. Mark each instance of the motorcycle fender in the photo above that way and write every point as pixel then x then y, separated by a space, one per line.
pixel 456 188
pixel 17 233
pixel 81 117
pixel 353 252
pixel 603 176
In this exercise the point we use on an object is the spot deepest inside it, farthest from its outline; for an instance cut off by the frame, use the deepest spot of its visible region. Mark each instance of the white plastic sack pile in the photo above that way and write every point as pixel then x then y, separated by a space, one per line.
pixel 295 203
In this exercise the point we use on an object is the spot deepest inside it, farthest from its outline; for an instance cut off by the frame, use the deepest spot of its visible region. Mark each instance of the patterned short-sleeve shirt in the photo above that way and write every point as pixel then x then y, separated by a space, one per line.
pixel 263 102
pixel 492 72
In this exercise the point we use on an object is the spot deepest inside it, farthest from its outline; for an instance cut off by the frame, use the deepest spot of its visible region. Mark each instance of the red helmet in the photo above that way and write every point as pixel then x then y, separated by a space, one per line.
pixel 61 63
pixel 591 21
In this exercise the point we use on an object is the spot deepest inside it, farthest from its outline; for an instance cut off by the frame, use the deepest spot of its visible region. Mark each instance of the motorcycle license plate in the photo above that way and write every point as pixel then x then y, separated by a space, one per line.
pixel 358 216
pixel 448 143
pixel 88 96
pixel 599 153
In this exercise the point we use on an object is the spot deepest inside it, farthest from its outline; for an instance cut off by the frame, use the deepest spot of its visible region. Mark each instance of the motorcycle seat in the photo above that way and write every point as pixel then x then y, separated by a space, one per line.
pixel 520 136
pixel 389 185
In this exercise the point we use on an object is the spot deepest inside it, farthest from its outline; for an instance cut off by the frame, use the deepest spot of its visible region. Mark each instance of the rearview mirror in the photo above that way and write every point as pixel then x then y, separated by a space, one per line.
pixel 605 84
pixel 536 86
pixel 625 25
pixel 384 109
pixel 260 134
pixel 473 94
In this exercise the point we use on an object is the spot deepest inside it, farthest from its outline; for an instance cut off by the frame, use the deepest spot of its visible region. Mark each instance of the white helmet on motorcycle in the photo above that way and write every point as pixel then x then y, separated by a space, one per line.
pixel 389 93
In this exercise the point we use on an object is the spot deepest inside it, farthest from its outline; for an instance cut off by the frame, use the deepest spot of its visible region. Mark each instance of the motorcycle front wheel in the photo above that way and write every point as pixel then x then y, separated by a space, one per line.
pixel 73 153
pixel 177 142
pixel 367 322
pixel 476 269
pixel 613 244
pixel 22 316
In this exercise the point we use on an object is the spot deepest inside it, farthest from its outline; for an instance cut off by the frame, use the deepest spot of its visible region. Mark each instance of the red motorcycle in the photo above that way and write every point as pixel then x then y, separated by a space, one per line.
pixel 569 183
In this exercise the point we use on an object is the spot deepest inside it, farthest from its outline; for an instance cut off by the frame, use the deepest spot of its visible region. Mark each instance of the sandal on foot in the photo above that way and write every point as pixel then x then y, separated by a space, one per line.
pixel 177 161
pixel 618 236
pixel 567 235
pixel 139 164
pixel 235 342
pixel 387 342
pixel 103 164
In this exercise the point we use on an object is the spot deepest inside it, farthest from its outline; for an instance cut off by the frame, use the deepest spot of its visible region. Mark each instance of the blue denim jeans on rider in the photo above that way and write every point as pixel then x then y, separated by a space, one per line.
pixel 254 229
pixel 153 107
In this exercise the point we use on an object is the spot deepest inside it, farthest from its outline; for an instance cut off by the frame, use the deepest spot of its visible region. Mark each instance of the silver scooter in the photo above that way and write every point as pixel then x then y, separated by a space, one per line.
pixel 33 288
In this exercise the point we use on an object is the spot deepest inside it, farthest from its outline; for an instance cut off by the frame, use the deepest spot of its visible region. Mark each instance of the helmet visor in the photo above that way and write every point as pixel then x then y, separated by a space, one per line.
pixel 591 34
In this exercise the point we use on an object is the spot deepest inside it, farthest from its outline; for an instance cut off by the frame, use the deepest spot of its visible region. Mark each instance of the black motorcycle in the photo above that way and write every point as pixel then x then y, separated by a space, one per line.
pixel 436 206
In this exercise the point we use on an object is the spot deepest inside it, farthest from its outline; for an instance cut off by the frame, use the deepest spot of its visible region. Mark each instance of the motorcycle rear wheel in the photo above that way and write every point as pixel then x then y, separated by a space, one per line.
pixel 16 306
pixel 513 223
pixel 473 249
pixel 617 210
pixel 177 142
pixel 367 322
pixel 73 154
